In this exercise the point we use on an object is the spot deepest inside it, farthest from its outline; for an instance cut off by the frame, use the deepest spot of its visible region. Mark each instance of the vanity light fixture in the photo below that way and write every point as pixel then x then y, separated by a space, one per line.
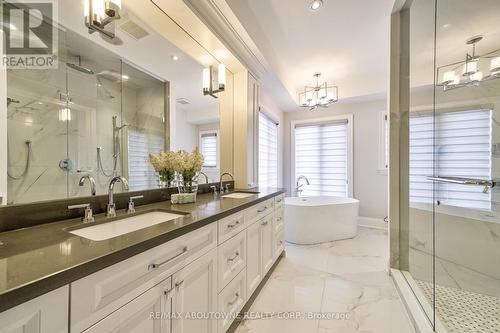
pixel 99 13
pixel 321 95
pixel 469 73
pixel 315 5
pixel 214 80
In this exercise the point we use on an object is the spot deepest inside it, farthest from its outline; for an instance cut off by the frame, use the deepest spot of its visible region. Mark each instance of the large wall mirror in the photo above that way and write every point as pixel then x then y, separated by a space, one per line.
pixel 105 108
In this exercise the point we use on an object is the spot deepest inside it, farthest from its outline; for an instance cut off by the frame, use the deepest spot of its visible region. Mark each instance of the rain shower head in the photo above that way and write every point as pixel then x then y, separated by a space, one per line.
pixel 79 67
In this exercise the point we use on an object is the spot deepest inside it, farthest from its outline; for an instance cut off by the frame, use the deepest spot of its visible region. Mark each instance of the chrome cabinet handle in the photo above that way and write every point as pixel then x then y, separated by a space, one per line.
pixel 279 200
pixel 232 225
pixel 179 284
pixel 234 300
pixel 262 210
pixel 236 255
pixel 156 266
pixel 279 219
pixel 264 223
pixel 167 292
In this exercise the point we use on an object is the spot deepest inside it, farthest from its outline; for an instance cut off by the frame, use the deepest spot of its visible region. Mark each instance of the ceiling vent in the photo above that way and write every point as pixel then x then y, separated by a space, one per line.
pixel 183 101
pixel 133 29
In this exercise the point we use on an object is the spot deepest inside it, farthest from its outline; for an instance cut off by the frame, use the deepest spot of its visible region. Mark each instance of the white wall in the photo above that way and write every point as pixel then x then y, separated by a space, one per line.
pixel 370 185
pixel 268 106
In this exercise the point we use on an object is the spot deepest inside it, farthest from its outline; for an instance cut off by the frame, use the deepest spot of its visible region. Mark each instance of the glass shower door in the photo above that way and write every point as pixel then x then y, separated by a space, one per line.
pixel 466 165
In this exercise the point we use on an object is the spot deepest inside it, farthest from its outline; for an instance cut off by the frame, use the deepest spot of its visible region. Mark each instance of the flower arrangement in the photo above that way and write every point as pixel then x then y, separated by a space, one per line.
pixel 185 164
pixel 165 164
pixel 189 165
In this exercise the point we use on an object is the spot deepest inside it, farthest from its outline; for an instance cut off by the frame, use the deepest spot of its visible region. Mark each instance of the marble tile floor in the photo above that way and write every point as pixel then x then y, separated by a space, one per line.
pixel 463 311
pixel 346 280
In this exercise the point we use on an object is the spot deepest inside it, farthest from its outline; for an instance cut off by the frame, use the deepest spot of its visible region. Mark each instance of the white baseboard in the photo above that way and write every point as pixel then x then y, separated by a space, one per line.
pixel 372 222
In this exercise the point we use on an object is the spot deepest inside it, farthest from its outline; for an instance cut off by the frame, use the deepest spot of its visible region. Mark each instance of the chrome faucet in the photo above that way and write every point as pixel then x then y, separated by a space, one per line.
pixel 111 206
pixel 88 216
pixel 205 175
pixel 221 188
pixel 91 182
pixel 299 185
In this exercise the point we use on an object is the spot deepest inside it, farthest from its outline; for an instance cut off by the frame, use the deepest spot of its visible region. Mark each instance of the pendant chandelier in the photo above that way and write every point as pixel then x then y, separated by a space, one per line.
pixel 467 73
pixel 321 95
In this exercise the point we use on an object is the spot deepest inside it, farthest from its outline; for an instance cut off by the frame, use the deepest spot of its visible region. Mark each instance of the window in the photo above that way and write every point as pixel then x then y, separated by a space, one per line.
pixel 141 174
pixel 208 147
pixel 462 148
pixel 268 151
pixel 323 153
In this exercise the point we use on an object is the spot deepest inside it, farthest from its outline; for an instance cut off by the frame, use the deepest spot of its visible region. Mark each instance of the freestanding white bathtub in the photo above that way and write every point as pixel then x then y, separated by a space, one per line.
pixel 313 220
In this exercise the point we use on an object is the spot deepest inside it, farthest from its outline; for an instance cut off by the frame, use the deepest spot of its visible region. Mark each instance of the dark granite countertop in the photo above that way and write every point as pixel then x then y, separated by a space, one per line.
pixel 36 260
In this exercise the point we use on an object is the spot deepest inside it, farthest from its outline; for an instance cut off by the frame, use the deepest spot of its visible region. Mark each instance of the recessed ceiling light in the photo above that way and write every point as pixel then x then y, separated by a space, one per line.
pixel 125 77
pixel 175 58
pixel 315 5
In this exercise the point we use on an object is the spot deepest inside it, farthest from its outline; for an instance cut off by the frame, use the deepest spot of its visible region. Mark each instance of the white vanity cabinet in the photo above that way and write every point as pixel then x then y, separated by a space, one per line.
pixel 45 314
pixel 254 257
pixel 195 293
pixel 98 295
pixel 260 250
pixel 267 243
pixel 148 313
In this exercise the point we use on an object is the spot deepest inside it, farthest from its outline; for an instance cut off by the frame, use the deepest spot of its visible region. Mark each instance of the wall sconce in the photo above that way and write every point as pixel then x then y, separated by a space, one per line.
pixel 214 80
pixel 99 13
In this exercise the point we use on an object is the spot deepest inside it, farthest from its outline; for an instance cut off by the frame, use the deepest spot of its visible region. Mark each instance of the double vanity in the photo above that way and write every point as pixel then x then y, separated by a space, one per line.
pixel 165 268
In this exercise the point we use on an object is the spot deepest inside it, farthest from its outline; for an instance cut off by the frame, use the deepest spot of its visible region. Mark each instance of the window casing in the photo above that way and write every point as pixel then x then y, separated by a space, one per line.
pixel 268 151
pixel 322 151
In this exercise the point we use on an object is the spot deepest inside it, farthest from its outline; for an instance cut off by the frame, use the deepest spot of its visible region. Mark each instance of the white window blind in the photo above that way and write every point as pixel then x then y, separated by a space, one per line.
pixel 462 148
pixel 209 149
pixel 268 151
pixel 321 154
pixel 141 174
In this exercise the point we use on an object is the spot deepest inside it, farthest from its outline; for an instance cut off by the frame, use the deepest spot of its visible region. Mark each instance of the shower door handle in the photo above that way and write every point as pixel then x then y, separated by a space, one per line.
pixel 487 184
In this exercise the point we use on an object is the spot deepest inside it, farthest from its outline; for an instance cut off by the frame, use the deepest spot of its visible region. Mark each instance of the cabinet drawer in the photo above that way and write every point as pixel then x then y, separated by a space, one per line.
pixel 278 222
pixel 232 258
pixel 230 226
pixel 279 242
pixel 258 211
pixel 142 314
pixel 97 295
pixel 279 200
pixel 231 300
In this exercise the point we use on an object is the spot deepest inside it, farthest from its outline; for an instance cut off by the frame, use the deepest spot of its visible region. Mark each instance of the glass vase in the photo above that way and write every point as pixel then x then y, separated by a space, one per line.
pixel 188 185
pixel 165 179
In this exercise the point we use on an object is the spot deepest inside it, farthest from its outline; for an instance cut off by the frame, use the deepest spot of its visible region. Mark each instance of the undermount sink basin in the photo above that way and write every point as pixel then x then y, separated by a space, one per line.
pixel 125 225
pixel 239 195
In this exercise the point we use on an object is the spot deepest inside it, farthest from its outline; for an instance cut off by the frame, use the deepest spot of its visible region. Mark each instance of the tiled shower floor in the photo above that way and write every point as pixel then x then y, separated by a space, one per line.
pixel 462 311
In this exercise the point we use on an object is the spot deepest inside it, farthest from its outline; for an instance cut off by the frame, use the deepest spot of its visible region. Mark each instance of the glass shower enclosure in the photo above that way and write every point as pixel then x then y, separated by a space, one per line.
pixel 449 243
